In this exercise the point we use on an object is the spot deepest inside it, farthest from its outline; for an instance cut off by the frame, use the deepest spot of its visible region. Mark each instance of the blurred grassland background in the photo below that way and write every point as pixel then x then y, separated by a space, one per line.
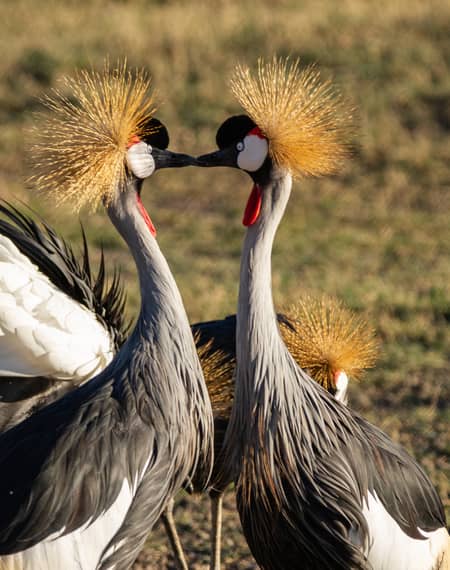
pixel 377 236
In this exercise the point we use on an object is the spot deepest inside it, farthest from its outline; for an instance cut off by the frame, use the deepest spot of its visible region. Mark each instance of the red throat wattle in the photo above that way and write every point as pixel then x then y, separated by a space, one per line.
pixel 253 206
pixel 146 217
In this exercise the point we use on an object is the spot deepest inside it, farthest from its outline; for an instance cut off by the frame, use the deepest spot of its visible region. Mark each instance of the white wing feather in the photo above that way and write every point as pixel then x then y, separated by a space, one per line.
pixel 391 549
pixel 43 332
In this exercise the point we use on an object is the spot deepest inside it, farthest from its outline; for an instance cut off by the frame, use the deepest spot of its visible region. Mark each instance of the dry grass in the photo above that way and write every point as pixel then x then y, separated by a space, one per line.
pixel 378 236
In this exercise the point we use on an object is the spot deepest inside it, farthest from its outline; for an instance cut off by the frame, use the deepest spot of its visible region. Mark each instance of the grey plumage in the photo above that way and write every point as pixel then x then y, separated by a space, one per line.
pixel 300 448
pixel 144 425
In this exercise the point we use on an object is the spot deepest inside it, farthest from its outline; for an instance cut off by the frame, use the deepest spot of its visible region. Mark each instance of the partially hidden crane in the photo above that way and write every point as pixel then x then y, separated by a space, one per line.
pixel 84 479
pixel 317 485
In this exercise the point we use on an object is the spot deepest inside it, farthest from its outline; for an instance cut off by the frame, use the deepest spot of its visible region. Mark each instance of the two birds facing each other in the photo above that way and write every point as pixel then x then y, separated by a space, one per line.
pixel 50 289
pixel 314 481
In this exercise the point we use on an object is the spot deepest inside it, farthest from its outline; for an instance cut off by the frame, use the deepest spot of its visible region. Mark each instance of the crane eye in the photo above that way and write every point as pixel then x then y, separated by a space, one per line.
pixel 240 146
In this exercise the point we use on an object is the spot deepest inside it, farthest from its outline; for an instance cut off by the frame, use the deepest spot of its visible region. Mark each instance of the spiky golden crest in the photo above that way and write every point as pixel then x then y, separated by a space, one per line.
pixel 79 156
pixel 328 338
pixel 307 124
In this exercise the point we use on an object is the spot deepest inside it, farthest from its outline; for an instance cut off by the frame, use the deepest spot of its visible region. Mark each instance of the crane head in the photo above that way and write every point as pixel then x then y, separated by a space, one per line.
pixel 293 118
pixel 241 145
pixel 82 154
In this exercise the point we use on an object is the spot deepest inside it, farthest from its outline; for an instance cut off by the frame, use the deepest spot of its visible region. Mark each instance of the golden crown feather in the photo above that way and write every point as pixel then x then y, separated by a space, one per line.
pixel 307 123
pixel 79 155
pixel 218 369
pixel 328 338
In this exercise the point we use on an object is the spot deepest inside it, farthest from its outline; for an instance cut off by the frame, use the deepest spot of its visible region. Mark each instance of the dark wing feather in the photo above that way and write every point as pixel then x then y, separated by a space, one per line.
pixel 44 486
pixel 401 484
pixel 221 333
pixel 150 499
pixel 21 397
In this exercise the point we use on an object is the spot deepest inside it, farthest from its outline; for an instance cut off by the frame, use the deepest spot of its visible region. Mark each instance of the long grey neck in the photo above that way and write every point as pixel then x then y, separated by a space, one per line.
pixel 257 331
pixel 160 351
pixel 160 297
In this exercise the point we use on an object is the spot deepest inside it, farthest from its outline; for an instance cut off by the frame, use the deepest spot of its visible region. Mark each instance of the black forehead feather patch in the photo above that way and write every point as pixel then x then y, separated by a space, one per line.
pixel 233 130
pixel 159 135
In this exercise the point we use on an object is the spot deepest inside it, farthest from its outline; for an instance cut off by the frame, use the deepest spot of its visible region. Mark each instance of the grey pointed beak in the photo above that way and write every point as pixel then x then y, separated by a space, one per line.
pixel 169 159
pixel 223 157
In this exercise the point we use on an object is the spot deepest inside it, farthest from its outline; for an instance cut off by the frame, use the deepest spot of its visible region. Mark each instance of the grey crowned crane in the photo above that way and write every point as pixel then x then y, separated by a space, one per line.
pixel 317 485
pixel 321 334
pixel 84 479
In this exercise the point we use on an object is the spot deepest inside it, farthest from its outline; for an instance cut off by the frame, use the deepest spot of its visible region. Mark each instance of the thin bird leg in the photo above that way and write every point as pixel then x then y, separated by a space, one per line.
pixel 172 534
pixel 216 530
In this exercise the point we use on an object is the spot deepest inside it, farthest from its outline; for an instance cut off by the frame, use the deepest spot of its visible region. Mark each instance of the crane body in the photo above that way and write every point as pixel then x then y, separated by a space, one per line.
pixel 121 427
pixel 317 485
pixel 321 450
pixel 84 478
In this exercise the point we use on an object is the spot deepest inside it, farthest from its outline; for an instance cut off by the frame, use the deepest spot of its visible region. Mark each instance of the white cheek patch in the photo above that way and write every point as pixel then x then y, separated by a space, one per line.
pixel 140 160
pixel 252 157
pixel 341 380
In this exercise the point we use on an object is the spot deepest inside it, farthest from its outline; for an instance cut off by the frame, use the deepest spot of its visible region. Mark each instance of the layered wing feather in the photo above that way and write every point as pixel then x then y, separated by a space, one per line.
pixel 59 323
pixel 51 497
pixel 57 319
